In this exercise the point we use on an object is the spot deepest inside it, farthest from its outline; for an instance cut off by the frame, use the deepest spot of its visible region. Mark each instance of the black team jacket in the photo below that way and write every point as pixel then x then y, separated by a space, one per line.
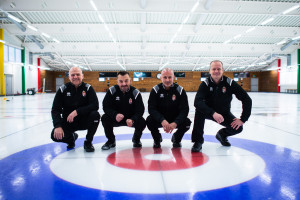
pixel 130 103
pixel 212 98
pixel 68 98
pixel 171 105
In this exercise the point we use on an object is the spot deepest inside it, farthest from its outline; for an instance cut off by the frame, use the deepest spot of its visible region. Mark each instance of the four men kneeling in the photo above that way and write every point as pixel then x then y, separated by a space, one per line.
pixel 75 108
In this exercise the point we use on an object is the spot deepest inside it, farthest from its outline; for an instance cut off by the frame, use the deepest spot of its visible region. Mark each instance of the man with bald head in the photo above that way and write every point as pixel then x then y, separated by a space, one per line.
pixel 213 102
pixel 75 107
pixel 168 108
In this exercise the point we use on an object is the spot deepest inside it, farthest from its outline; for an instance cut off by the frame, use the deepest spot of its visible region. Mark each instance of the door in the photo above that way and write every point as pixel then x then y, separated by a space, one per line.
pixel 9 84
pixel 59 82
pixel 254 84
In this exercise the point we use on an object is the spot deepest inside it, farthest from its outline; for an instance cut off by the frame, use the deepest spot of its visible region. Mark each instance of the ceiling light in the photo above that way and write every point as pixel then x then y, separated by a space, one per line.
pixel 93 4
pixel 121 65
pixel 296 38
pixel 101 19
pixel 2 41
pixel 46 35
pixel 55 40
pixel 267 21
pixel 163 66
pixel 32 27
pixel 180 28
pixel 281 42
pixel 250 30
pixel 186 19
pixel 237 36
pixel 227 41
pixel 14 18
pixel 290 9
pixel 195 7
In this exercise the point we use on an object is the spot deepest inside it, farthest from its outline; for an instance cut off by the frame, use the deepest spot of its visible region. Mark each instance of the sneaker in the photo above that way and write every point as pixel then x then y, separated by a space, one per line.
pixel 197 147
pixel 71 145
pixel 88 146
pixel 137 144
pixel 108 145
pixel 223 140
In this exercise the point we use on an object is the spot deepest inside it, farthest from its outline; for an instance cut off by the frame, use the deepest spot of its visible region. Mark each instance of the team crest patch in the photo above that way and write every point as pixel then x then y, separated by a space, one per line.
pixel 224 89
pixel 83 93
pixel 130 101
pixel 174 97
pixel 118 98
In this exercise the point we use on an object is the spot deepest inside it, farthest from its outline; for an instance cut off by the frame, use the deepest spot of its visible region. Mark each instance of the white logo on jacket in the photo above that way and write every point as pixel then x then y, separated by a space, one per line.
pixel 117 98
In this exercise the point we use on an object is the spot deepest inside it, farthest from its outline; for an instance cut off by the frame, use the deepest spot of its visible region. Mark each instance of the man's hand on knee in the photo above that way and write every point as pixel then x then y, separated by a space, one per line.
pixel 58 133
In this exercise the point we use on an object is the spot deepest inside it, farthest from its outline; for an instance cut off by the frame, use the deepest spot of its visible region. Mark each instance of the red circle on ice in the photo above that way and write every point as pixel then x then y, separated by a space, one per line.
pixel 157 159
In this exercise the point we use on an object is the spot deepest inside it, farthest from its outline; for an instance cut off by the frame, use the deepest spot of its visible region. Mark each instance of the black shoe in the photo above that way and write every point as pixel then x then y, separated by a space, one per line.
pixel 88 146
pixel 156 145
pixel 71 145
pixel 137 144
pixel 108 145
pixel 223 140
pixel 197 147
pixel 177 144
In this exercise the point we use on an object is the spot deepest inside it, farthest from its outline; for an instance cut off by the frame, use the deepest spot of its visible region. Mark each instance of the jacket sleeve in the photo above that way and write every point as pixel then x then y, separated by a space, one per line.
pixel 57 109
pixel 183 108
pixel 243 96
pixel 153 107
pixel 139 108
pixel 93 103
pixel 108 105
pixel 200 100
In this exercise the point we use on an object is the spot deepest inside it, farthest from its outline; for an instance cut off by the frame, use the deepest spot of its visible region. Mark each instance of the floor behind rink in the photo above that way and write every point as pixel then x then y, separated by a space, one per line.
pixel 263 162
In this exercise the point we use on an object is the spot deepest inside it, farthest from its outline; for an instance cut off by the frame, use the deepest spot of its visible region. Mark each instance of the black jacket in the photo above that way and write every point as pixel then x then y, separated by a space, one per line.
pixel 68 98
pixel 212 98
pixel 171 105
pixel 130 103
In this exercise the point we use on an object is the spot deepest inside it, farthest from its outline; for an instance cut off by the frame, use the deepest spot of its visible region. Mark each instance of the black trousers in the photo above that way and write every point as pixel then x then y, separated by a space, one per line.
pixel 197 133
pixel 109 124
pixel 88 122
pixel 153 126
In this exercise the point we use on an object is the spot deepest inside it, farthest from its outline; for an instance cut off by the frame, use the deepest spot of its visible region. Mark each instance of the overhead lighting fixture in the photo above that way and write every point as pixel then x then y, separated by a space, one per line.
pixel 55 40
pixel 14 18
pixel 267 21
pixel 180 28
pixel 2 41
pixel 290 9
pixel 296 38
pixel 46 35
pixel 281 42
pixel 101 18
pixel 186 19
pixel 237 36
pixel 163 66
pixel 32 27
pixel 250 30
pixel 121 65
pixel 227 41
pixel 195 7
pixel 93 5
pixel 173 38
